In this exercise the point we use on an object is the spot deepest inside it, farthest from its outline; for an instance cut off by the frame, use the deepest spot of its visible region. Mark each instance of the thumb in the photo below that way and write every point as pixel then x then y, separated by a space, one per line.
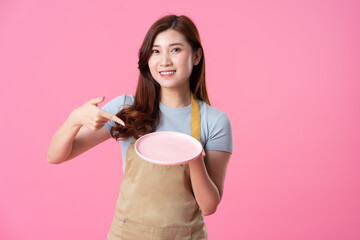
pixel 203 154
pixel 97 100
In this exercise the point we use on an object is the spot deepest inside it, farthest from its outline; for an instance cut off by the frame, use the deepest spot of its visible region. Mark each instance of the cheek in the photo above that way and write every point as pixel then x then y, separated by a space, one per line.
pixel 150 63
pixel 152 66
pixel 185 63
pixel 189 65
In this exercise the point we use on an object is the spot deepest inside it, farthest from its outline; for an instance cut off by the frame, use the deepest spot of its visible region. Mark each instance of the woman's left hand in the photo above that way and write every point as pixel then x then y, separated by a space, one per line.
pixel 207 179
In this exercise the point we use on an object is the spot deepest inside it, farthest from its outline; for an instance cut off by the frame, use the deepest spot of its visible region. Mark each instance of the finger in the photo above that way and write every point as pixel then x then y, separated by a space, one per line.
pixel 103 121
pixel 203 153
pixel 118 120
pixel 97 100
pixel 111 117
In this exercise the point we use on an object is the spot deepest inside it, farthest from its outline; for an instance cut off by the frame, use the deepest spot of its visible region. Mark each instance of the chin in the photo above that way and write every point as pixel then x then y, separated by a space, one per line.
pixel 169 85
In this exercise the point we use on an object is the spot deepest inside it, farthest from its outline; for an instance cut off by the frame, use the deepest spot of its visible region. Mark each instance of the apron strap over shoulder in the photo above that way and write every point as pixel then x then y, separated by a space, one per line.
pixel 195 118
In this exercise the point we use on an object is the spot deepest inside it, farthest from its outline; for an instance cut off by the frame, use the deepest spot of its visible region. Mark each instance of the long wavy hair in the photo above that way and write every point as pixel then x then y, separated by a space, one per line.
pixel 144 115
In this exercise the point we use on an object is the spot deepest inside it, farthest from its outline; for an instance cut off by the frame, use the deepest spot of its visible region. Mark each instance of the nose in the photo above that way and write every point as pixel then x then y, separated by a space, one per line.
pixel 165 60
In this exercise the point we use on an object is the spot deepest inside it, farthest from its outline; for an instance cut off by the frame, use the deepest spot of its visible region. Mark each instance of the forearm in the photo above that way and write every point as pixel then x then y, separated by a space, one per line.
pixel 206 193
pixel 61 143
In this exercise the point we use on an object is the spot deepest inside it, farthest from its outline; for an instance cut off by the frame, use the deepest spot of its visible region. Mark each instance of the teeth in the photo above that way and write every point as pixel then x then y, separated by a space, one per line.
pixel 166 73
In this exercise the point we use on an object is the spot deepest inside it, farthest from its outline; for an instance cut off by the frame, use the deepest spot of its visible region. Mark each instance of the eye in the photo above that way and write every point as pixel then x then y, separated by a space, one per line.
pixel 178 49
pixel 153 51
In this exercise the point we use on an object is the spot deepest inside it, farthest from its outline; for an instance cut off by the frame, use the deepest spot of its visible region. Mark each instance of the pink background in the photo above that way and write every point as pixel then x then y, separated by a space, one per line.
pixel 286 73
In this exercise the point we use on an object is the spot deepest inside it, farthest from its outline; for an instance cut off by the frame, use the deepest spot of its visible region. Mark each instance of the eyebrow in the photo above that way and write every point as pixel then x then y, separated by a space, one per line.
pixel 172 44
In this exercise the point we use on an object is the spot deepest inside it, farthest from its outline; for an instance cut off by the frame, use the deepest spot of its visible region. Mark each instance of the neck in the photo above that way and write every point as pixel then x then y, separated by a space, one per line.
pixel 175 98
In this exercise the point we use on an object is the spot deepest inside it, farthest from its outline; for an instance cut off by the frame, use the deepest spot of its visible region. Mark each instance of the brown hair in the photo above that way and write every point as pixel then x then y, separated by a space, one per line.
pixel 144 115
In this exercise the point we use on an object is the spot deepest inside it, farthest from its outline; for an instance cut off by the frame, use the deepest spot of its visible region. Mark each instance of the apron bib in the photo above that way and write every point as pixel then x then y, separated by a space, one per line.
pixel 157 201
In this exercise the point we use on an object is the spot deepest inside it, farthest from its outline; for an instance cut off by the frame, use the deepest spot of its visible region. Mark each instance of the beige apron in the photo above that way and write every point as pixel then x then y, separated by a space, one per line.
pixel 157 201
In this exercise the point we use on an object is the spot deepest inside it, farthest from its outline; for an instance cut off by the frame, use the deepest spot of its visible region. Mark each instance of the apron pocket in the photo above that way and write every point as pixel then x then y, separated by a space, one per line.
pixel 131 230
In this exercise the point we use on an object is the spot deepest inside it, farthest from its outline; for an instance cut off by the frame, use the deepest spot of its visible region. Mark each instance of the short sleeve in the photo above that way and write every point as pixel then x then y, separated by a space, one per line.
pixel 114 106
pixel 220 135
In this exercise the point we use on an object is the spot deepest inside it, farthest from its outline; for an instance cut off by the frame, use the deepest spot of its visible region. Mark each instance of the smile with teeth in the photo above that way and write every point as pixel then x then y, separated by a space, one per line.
pixel 167 73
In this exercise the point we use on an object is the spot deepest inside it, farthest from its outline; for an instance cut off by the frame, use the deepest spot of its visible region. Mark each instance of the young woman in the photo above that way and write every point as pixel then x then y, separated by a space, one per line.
pixel 157 201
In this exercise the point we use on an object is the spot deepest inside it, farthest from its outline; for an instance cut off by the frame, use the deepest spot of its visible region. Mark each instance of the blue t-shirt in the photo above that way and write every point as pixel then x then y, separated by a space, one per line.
pixel 216 132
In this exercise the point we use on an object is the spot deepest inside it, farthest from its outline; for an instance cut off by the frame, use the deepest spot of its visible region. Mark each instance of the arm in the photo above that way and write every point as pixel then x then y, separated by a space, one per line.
pixel 83 130
pixel 207 179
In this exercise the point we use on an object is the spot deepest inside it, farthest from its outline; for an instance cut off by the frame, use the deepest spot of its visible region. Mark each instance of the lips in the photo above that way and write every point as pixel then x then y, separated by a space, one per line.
pixel 168 73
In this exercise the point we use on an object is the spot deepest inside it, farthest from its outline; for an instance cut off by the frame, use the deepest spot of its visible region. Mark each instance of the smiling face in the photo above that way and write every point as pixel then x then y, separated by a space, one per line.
pixel 172 59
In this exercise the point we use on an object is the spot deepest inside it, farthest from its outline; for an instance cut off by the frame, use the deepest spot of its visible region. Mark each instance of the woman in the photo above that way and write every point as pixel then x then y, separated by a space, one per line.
pixel 157 201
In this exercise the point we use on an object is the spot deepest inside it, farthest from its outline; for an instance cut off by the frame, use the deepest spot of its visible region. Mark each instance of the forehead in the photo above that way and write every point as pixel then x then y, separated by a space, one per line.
pixel 170 36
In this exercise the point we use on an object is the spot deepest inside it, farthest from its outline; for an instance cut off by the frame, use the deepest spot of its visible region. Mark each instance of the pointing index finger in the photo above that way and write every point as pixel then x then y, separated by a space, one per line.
pixel 118 120
pixel 112 117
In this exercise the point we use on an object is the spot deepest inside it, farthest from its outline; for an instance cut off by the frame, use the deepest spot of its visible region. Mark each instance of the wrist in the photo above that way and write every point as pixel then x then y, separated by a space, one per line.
pixel 73 120
pixel 199 162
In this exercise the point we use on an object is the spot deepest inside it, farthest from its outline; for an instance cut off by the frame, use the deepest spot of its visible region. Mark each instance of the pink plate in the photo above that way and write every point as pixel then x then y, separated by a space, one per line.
pixel 168 148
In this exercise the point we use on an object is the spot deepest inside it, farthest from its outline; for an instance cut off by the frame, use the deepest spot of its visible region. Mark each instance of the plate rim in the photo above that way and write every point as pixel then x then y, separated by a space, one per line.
pixel 183 135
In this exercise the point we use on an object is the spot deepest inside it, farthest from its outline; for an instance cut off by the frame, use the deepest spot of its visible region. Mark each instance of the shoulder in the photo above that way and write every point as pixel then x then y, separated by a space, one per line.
pixel 216 127
pixel 212 114
pixel 117 103
pixel 123 99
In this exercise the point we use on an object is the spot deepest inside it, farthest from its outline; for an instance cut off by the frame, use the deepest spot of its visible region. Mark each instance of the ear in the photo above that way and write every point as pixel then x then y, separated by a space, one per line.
pixel 197 56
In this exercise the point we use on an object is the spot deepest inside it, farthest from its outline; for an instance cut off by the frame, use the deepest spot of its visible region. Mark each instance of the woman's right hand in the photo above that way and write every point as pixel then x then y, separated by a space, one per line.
pixel 72 139
pixel 91 116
